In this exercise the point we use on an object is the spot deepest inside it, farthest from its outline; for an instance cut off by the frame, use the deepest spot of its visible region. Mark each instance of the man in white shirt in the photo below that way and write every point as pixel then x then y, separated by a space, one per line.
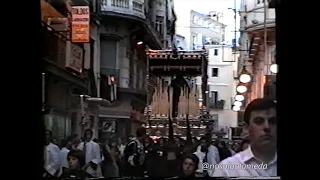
pixel 92 154
pixel 121 146
pixel 51 157
pixel 260 158
pixel 64 153
pixel 207 153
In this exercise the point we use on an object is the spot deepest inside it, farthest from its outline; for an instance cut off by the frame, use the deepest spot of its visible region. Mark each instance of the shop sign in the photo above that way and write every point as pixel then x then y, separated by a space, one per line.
pixel 80 25
pixel 109 126
pixel 74 59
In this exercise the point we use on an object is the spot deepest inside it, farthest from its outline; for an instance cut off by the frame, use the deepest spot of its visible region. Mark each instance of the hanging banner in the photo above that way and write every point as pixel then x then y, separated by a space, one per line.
pixel 80 31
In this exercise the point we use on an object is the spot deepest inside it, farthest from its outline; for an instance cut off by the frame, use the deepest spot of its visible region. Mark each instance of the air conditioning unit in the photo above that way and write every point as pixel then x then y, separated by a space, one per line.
pixel 58 24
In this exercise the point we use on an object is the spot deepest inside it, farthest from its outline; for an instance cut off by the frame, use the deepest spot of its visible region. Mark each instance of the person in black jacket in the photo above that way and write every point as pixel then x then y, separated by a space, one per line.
pixel 134 155
pixel 224 152
pixel 76 160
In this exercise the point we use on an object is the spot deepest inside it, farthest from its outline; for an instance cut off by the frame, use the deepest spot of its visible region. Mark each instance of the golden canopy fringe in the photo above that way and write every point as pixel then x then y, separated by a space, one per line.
pixel 162 105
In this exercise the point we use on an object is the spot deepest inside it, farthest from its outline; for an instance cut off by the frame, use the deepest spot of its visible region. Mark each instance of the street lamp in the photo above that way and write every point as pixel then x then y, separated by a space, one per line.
pixel 244 76
pixel 241 88
pixel 237 103
pixel 274 68
pixel 239 97
pixel 236 108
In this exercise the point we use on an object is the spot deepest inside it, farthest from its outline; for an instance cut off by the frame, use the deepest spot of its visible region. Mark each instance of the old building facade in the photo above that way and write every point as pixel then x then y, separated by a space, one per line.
pixel 258 50
pixel 257 40
pixel 111 67
pixel 126 28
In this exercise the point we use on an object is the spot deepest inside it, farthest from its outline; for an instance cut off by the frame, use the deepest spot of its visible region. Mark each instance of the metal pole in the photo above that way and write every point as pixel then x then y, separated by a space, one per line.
pixel 235 29
pixel 207 100
pixel 43 91
pixel 265 38
pixel 82 114
pixel 147 89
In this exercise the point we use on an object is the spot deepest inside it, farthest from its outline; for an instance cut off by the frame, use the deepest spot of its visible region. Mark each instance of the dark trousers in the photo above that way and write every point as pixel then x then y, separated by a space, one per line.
pixel 133 171
pixel 172 168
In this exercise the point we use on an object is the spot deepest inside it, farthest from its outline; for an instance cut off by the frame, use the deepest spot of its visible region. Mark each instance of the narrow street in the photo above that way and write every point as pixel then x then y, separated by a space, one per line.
pixel 159 88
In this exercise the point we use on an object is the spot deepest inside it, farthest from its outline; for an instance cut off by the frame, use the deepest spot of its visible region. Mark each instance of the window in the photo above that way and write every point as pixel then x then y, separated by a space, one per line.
pixel 214 97
pixel 195 19
pixel 214 72
pixel 216 52
pixel 194 40
pixel 159 24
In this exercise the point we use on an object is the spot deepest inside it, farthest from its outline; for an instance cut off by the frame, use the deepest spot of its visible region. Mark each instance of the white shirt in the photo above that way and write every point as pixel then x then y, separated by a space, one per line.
pixel 212 158
pixel 201 156
pixel 213 152
pixel 121 148
pixel 92 155
pixel 232 152
pixel 246 157
pixel 51 159
pixel 63 157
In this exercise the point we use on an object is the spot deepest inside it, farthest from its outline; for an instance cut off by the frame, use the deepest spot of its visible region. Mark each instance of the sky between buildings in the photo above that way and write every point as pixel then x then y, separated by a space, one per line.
pixel 205 6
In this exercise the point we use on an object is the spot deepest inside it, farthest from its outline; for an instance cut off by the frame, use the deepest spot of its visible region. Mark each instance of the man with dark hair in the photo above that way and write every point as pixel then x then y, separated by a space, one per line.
pixel 65 148
pixel 92 154
pixel 134 155
pixel 261 119
pixel 51 157
pixel 74 139
pixel 207 153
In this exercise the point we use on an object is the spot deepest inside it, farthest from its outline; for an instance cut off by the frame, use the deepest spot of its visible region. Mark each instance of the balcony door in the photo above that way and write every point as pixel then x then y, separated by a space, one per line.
pixel 214 97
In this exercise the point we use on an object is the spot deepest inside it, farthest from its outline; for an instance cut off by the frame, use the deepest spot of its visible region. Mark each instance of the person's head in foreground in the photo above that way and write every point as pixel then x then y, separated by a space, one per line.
pixel 76 159
pixel 190 165
pixel 261 119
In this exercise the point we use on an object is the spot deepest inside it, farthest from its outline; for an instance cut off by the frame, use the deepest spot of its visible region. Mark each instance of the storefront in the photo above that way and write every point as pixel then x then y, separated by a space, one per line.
pixel 57 118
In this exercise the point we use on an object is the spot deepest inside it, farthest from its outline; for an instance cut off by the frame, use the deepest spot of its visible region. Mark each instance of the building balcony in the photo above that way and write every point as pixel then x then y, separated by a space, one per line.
pixel 131 8
pixel 62 57
pixel 61 52
pixel 255 18
pixel 217 105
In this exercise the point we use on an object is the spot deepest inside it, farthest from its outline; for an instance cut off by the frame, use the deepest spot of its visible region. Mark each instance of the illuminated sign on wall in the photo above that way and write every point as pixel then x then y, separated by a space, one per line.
pixel 80 25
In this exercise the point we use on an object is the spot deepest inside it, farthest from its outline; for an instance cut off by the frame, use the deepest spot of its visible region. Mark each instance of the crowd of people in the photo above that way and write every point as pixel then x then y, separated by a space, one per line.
pixel 141 156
